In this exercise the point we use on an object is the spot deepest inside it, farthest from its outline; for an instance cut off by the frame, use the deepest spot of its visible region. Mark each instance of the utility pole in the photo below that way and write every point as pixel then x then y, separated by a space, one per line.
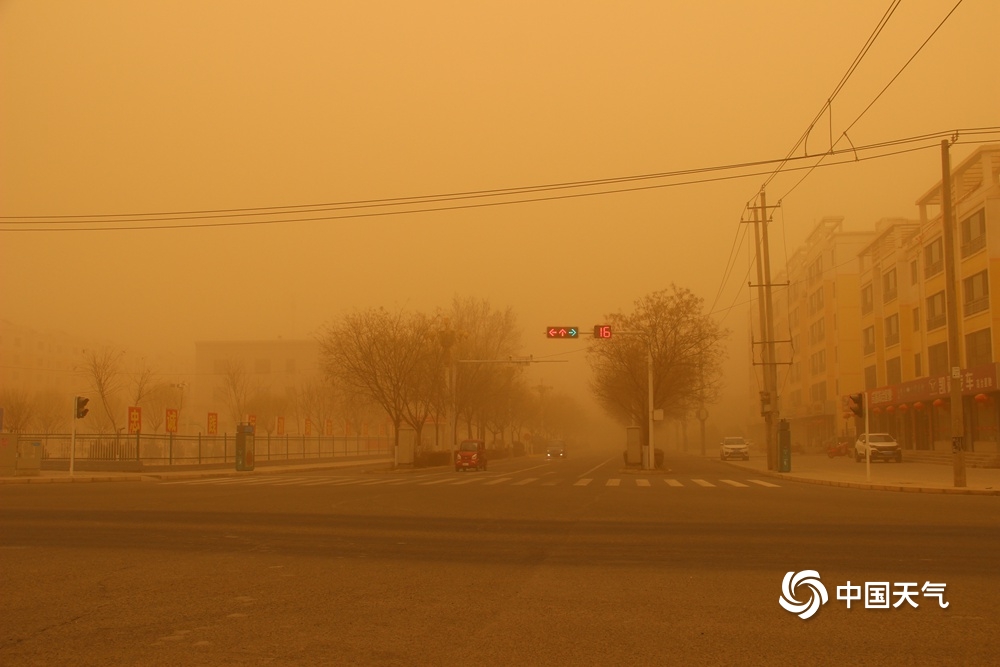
pixel 768 398
pixel 951 299
pixel 772 368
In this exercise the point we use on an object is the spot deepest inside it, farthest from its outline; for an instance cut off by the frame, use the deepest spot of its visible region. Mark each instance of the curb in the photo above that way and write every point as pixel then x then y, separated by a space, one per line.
pixel 868 486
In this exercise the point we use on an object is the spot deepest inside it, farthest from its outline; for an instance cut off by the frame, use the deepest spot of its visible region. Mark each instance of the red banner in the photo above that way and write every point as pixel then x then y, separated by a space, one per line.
pixel 213 423
pixel 280 425
pixel 329 427
pixel 171 420
pixel 134 420
pixel 252 420
pixel 309 427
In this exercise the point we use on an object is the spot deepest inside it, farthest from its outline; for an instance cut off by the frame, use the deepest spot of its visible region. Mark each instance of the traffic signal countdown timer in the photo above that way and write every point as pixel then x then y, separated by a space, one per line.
pixel 81 407
pixel 600 331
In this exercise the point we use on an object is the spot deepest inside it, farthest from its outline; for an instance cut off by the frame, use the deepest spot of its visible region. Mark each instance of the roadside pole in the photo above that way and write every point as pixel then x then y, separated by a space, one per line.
pixel 650 459
pixel 868 446
pixel 72 440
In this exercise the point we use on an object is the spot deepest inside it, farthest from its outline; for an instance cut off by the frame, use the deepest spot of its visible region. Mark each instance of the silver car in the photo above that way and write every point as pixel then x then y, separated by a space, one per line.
pixel 734 447
pixel 880 446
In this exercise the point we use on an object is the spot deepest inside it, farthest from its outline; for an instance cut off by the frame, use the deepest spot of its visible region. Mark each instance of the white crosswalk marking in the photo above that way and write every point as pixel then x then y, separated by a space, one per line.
pixel 732 483
pixel 498 481
pixel 701 482
pixel 673 482
pixel 583 482
pixel 525 481
pixel 469 481
pixel 436 481
pixel 642 482
pixel 613 482
pixel 757 481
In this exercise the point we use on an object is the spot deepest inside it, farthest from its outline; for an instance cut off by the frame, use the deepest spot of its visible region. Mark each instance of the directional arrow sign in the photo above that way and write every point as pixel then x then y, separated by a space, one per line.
pixel 562 332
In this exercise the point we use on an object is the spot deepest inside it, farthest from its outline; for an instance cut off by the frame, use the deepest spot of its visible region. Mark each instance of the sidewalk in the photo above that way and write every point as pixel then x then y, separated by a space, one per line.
pixel 63 476
pixel 906 476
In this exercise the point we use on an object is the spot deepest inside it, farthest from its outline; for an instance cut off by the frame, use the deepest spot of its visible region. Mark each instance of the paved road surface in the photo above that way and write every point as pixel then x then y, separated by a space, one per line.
pixel 527 563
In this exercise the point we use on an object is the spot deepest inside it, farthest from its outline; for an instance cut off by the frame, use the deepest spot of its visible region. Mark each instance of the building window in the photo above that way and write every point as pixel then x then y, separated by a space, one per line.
pixel 816 301
pixel 868 340
pixel 916 319
pixel 815 270
pixel 892 330
pixel 914 272
pixel 817 362
pixel 935 311
pixel 978 349
pixel 817 392
pixel 933 258
pixel 974 233
pixel 817 332
pixel 893 371
pixel 977 293
pixel 937 359
pixel 917 370
pixel 889 286
pixel 867 300
pixel 871 380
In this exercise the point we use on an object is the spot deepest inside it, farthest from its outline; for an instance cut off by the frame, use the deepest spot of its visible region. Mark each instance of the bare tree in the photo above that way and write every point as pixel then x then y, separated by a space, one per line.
pixel 18 409
pixel 379 354
pixel 140 382
pixel 51 413
pixel 686 348
pixel 155 402
pixel 103 369
pixel 238 385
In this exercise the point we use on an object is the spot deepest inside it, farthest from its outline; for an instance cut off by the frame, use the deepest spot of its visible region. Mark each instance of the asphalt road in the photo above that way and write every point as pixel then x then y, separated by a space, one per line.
pixel 526 563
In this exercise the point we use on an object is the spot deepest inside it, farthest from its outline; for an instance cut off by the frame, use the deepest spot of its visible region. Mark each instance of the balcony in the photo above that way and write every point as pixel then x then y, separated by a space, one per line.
pixel 888 295
pixel 977 305
pixel 934 269
pixel 868 348
pixel 973 246
pixel 936 321
pixel 891 339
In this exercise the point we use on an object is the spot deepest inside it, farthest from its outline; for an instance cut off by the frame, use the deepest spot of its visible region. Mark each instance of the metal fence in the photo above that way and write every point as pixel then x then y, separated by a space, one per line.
pixel 195 449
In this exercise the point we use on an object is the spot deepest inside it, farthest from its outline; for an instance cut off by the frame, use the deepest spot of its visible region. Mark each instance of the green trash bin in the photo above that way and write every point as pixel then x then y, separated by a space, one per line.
pixel 244 447
pixel 784 447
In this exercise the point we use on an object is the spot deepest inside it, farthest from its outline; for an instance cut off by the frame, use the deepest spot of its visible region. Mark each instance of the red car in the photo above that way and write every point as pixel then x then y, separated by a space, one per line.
pixel 471 455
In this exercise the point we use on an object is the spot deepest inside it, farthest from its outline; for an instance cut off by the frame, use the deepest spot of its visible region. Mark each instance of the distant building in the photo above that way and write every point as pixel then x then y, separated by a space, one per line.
pixel 275 371
pixel 818 313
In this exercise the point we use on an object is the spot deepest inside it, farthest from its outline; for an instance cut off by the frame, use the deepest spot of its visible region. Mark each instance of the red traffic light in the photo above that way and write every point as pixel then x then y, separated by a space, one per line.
pixel 562 332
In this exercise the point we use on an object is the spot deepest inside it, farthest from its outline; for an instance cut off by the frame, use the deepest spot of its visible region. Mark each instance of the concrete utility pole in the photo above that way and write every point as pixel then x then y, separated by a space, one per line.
pixel 769 400
pixel 951 299
pixel 772 367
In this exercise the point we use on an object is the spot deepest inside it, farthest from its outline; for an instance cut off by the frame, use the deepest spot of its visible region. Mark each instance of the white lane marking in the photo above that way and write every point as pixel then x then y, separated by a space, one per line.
pixel 732 483
pixel 498 481
pixel 347 482
pixel 583 482
pixel 701 482
pixel 613 482
pixel 549 483
pixel 470 480
pixel 525 481
pixel 673 482
pixel 757 481
pixel 598 466
pixel 642 482
pixel 438 481
pixel 531 468
pixel 376 481
pixel 209 480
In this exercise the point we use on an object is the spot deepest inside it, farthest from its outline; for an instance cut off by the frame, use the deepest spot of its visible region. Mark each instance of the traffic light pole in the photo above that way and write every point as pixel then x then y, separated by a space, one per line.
pixel 72 440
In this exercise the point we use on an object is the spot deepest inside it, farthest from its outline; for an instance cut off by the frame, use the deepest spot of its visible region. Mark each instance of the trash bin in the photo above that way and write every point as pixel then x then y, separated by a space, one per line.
pixel 784 447
pixel 244 447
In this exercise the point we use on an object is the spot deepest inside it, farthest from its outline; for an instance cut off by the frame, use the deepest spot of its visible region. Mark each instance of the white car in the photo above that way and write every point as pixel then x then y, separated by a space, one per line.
pixel 734 447
pixel 882 447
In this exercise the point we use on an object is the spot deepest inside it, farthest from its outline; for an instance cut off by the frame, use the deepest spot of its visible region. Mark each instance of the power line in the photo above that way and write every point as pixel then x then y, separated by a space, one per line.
pixel 187 223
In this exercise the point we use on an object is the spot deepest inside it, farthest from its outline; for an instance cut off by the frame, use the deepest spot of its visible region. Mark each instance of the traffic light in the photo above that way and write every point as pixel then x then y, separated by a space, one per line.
pixel 858 404
pixel 602 331
pixel 81 406
pixel 562 332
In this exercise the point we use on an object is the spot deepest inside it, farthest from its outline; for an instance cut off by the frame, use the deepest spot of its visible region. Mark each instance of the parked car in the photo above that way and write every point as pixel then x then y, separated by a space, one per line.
pixel 879 446
pixel 734 447
pixel 471 455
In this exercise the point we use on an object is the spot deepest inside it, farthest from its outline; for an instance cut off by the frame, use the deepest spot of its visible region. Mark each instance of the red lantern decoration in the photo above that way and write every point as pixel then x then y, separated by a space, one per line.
pixel 919 405
pixel 938 402
pixel 890 409
pixel 982 398
pixel 877 410
pixel 904 407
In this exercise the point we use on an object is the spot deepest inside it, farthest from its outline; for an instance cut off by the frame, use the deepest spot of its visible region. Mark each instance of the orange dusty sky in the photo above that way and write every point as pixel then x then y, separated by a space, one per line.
pixel 121 107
